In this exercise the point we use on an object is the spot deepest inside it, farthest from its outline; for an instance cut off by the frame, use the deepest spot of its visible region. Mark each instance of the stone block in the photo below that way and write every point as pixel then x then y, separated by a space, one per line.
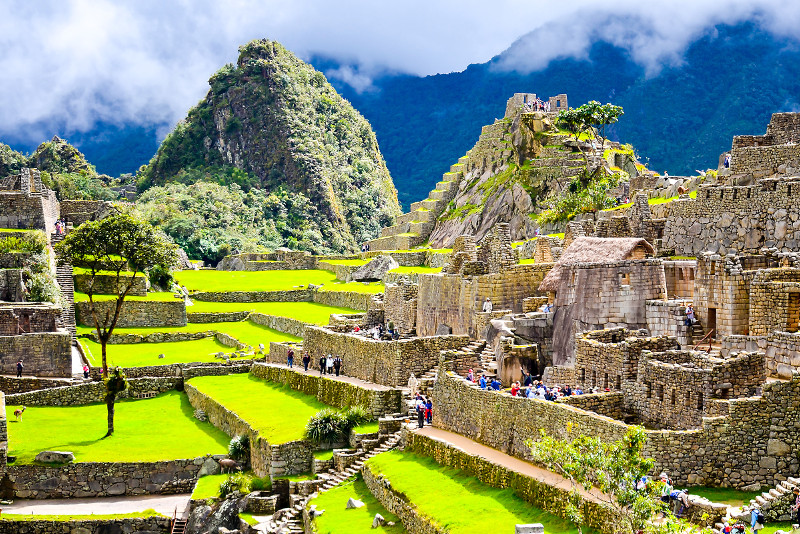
pixel 55 457
pixel 531 528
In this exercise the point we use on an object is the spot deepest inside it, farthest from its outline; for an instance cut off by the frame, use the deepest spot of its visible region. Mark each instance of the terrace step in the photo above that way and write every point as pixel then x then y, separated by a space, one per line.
pixel 178 526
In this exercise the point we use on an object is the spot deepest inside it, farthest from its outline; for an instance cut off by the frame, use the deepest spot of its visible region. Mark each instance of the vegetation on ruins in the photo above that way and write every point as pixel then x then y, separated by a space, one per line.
pixel 331 426
pixel 580 197
pixel 128 247
pixel 239 448
pixel 612 467
pixel 456 501
pixel 147 430
pixel 34 260
pixel 272 124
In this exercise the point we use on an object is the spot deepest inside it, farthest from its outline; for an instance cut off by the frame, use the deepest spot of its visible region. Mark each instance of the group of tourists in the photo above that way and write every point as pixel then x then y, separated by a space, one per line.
pixel 424 408
pixel 380 331
pixel 327 364
pixel 537 105
pixel 61 227
pixel 529 387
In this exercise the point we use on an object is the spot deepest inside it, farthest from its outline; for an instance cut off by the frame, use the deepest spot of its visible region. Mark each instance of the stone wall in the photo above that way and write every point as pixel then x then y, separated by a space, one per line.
pixel 106 284
pixel 20 211
pixel 378 402
pixel 290 295
pixel 546 497
pixel 668 318
pixel 10 385
pixel 400 306
pixel 763 161
pixel 608 404
pixel 286 325
pixel 290 458
pixel 136 313
pixel 42 354
pixel 679 276
pixel 736 219
pixel 343 299
pixel 90 392
pixel 774 302
pixel 25 318
pixel 388 363
pixel 755 443
pixel 452 300
pixel 722 295
pixel 105 479
pixel 145 525
pixel 215 317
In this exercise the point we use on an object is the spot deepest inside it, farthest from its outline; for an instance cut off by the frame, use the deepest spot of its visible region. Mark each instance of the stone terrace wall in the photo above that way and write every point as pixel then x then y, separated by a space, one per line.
pixel 452 299
pixel 21 211
pixel 736 219
pixel 10 385
pixel 290 458
pixel 137 313
pixel 42 354
pixel 378 402
pixel 774 301
pixel 608 404
pixel 668 318
pixel 291 295
pixel 106 284
pixel 215 317
pixel 145 525
pixel 756 443
pixel 286 325
pixel 388 363
pixel 725 288
pixel 541 495
pixel 90 392
pixel 104 479
pixel 343 299
pixel 763 161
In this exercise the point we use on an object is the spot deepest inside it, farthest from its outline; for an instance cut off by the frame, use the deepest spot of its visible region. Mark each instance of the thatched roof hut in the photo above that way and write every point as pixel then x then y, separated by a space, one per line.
pixel 596 250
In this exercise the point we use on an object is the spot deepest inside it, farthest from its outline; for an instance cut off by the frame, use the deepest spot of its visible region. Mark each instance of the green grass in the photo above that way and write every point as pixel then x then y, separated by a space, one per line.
pixel 444 494
pixel 652 201
pixel 422 269
pixel 337 519
pixel 28 517
pixel 278 413
pixel 771 528
pixel 347 262
pixel 527 262
pixel 367 428
pixel 147 430
pixel 729 496
pixel 153 297
pixel 308 312
pixel 145 354
pixel 248 518
pixel 220 281
pixel 324 455
pixel 207 487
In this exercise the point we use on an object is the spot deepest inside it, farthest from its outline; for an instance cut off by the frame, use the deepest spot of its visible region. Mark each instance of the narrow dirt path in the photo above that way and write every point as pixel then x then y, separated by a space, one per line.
pixel 163 504
pixel 340 378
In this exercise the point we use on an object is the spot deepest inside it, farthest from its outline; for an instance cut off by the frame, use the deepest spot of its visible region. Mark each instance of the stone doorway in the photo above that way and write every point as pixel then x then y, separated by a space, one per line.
pixel 793 313
pixel 711 323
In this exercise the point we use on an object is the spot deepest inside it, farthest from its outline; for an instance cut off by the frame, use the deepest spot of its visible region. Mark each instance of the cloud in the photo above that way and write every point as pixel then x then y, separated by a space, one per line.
pixel 71 63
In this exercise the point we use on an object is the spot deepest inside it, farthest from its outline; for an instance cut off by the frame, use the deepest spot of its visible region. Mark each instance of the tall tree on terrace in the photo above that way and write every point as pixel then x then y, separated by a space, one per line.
pixel 598 116
pixel 124 248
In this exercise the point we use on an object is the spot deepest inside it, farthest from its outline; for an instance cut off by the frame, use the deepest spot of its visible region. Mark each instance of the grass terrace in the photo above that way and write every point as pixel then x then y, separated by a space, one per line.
pixel 443 494
pixel 146 354
pixel 421 269
pixel 146 430
pixel 652 201
pixel 729 496
pixel 308 312
pixel 338 519
pixel 347 262
pixel 277 412
pixel 221 281
pixel 207 487
pixel 529 261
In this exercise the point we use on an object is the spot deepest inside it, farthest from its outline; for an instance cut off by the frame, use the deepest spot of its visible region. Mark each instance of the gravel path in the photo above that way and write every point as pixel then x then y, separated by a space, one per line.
pixel 164 504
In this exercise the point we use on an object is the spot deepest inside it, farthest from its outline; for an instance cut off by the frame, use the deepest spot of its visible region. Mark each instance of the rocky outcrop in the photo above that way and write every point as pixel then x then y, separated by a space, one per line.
pixel 280 121
pixel 375 270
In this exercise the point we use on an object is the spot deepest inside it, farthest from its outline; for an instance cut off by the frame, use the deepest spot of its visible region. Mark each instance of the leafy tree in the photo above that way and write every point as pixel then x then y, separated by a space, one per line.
pixel 613 467
pixel 123 247
pixel 598 116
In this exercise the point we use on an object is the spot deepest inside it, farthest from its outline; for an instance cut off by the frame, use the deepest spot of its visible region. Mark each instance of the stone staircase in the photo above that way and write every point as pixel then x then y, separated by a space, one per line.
pixel 290 520
pixel 775 504
pixel 66 283
pixel 413 228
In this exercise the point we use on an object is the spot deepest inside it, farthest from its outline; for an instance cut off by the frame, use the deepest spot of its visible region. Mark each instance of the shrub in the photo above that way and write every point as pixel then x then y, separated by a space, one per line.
pixel 239 448
pixel 42 287
pixel 160 277
pixel 356 415
pixel 329 425
pixel 31 242
pixel 241 482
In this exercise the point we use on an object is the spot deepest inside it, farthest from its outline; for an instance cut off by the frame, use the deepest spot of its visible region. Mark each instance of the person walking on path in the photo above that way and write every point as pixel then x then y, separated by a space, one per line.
pixel 306 360
pixel 337 364
pixel 796 505
pixel 329 365
pixel 19 368
pixel 756 520
pixel 487 305
pixel 322 365
pixel 85 371
pixel 690 320
pixel 290 358
pixel 429 410
pixel 421 413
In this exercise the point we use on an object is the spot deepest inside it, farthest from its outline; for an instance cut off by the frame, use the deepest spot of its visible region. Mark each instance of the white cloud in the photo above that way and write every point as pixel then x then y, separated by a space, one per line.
pixel 74 62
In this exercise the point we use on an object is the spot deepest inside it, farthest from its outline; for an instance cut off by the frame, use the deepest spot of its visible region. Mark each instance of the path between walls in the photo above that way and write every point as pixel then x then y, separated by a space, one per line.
pixel 163 504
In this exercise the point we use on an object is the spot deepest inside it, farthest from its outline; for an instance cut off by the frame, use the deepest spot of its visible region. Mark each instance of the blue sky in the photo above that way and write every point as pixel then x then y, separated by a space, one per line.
pixel 75 62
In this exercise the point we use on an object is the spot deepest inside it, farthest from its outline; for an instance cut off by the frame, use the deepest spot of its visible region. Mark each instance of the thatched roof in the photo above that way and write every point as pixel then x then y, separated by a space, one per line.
pixel 593 250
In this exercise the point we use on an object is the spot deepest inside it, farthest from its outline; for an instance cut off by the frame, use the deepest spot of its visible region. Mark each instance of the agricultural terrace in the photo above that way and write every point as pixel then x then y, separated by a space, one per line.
pixel 444 494
pixel 308 312
pixel 338 519
pixel 146 430
pixel 222 281
pixel 277 412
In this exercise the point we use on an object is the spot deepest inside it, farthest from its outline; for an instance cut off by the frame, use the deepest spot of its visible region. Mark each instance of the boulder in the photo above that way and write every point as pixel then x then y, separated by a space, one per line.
pixel 353 503
pixel 378 521
pixel 530 528
pixel 231 263
pixel 55 457
pixel 376 269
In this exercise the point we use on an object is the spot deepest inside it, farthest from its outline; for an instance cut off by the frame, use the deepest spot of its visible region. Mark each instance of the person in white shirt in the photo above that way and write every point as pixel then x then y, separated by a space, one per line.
pixel 487 305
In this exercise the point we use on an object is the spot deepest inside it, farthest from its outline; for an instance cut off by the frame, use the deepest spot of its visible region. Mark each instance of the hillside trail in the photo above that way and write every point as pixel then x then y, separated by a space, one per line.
pixel 124 504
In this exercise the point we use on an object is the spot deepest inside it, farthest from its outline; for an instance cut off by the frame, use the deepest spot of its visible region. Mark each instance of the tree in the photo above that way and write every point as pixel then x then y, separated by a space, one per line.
pixel 598 116
pixel 614 468
pixel 123 248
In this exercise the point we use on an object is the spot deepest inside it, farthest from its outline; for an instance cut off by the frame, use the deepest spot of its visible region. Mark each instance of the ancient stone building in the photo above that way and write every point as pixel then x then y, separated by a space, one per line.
pixel 25 202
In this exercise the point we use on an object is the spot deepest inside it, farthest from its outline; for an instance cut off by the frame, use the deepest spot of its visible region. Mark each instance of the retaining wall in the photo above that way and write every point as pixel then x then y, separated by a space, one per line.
pixel 136 313
pixel 90 392
pixel 287 325
pixel 145 525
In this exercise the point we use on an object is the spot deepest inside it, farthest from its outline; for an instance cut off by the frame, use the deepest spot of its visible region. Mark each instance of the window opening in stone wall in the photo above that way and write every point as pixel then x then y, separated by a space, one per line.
pixel 647 390
pixel 672 398
pixel 711 323
pixel 793 313
pixel 625 279
pixel 699 401
pixel 712 267
pixel 688 400
pixel 660 392
pixel 605 381
pixel 619 382
pixel 583 376
pixel 594 378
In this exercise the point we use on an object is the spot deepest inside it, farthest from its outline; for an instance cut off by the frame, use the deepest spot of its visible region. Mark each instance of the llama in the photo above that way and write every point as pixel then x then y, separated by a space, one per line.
pixel 18 413
pixel 228 464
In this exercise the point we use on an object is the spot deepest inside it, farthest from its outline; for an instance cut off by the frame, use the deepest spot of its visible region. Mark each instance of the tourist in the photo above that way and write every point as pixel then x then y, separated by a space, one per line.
pixel 85 371
pixel 19 368
pixel 727 161
pixel 470 376
pixel 413 384
pixel 429 410
pixel 306 360
pixel 337 364
pixel 666 489
pixel 290 358
pixel 530 392
pixel 796 505
pixel 482 382
pixel 567 391
pixel 487 305
pixel 329 365
pixel 680 499
pixel 690 319
pixel 578 390
pixel 527 379
pixel 496 385
pixel 421 413
pixel 390 327
pixel 756 519
pixel 322 364
pixel 515 389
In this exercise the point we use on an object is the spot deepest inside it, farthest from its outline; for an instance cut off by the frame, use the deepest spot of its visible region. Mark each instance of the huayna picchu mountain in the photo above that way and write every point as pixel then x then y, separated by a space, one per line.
pixel 281 127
